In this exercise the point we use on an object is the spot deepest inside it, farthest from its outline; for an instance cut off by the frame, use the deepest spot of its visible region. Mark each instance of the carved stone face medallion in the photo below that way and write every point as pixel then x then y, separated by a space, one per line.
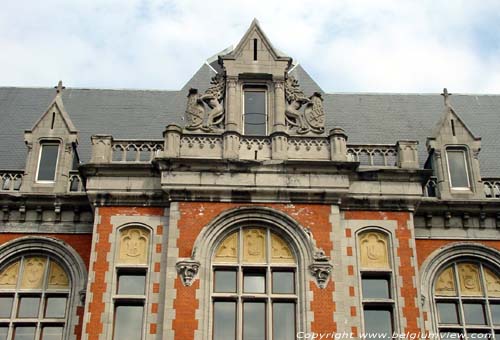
pixel 33 271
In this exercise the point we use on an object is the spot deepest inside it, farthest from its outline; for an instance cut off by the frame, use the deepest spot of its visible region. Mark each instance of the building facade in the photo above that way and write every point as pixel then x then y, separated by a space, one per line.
pixel 265 209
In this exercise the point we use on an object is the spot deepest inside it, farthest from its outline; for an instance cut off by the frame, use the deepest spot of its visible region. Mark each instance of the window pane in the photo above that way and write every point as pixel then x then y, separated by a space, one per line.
pixel 6 306
pixel 458 169
pixel 225 281
pixel 224 320
pixel 4 330
pixel 283 321
pixel 474 314
pixel 375 288
pixel 378 321
pixel 48 162
pixel 449 335
pixel 28 307
pixel 283 283
pixel 447 312
pixel 254 283
pixel 52 333
pixel 495 313
pixel 24 333
pixel 128 322
pixel 254 321
pixel 131 284
pixel 56 307
pixel 473 334
pixel 255 113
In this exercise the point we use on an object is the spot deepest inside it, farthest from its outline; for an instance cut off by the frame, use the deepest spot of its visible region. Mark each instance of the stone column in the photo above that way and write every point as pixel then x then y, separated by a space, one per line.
pixel 231 145
pixel 407 154
pixel 232 115
pixel 101 148
pixel 279 145
pixel 172 137
pixel 338 144
pixel 279 106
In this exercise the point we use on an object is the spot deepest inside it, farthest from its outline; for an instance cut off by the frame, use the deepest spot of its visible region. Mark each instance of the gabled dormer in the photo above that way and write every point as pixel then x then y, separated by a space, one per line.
pixel 52 151
pixel 453 155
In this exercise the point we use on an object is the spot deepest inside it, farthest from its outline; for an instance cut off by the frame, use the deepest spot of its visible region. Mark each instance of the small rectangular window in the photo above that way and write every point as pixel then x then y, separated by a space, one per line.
pixel 224 320
pixel 48 162
pixel 255 113
pixel 128 322
pixel 225 281
pixel 131 283
pixel 378 321
pixel 284 320
pixel 376 288
pixel 4 331
pixel 457 169
pixel 6 306
pixel 254 320
pixel 24 332
pixel 52 333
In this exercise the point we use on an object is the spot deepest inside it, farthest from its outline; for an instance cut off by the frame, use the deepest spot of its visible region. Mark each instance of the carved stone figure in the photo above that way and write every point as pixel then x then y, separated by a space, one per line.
pixel 8 277
pixel 468 274
pixel 445 284
pixel 33 271
pixel 133 246
pixel 280 252
pixel 312 118
pixel 374 250
pixel 205 112
pixel 228 250
pixel 254 245
pixel 187 270
pixel 321 271
pixel 57 276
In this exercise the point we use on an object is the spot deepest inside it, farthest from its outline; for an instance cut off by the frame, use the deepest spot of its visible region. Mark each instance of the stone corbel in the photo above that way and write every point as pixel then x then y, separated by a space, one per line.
pixel 187 270
pixel 321 269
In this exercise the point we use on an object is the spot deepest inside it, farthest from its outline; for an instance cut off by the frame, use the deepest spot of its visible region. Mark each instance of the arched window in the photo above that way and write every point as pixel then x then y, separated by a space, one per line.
pixel 254 287
pixel 377 283
pixel 34 298
pixel 467 300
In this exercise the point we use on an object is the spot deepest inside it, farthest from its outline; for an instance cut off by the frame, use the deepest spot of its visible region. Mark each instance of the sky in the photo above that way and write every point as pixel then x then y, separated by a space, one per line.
pixel 346 46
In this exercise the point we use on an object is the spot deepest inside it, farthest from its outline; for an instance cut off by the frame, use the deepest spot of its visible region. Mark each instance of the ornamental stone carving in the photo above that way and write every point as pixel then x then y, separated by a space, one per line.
pixel 374 250
pixel 205 112
pixel 321 271
pixel 228 250
pixel 468 275
pixel 492 283
pixel 303 114
pixel 445 284
pixel 187 270
pixel 254 245
pixel 33 272
pixel 133 246
pixel 8 277
pixel 57 277
pixel 280 252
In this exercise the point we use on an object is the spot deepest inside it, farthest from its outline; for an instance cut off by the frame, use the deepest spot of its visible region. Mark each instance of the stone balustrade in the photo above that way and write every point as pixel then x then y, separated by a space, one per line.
pixel 491 187
pixel 11 180
pixel 232 145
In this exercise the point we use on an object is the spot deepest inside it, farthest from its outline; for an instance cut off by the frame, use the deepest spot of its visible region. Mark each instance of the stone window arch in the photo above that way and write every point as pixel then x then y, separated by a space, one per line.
pixel 221 247
pixel 377 281
pixel 463 291
pixel 42 282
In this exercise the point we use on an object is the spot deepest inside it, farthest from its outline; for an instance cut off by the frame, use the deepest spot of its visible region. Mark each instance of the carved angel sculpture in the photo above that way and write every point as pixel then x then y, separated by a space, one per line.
pixel 205 112
pixel 312 118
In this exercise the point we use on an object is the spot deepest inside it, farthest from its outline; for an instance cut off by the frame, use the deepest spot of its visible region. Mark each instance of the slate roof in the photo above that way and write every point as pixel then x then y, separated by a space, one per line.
pixel 143 114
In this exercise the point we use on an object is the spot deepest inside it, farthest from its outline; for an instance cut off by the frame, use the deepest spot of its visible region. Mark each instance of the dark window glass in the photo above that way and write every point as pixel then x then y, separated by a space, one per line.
pixel 473 334
pixel 24 333
pixel 52 333
pixel 378 321
pixel 283 321
pixel 224 320
pixel 5 306
pixel 4 330
pixel 76 162
pixel 255 113
pixel 283 283
pixel 474 314
pixel 449 335
pixel 375 288
pixel 225 281
pixel 56 307
pixel 254 283
pixel 48 162
pixel 28 307
pixel 254 321
pixel 128 322
pixel 497 335
pixel 448 312
pixel 495 313
pixel 458 169
pixel 131 284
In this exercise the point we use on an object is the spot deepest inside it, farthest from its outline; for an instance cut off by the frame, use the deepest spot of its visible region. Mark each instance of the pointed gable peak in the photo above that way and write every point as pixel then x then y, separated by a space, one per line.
pixel 256 42
pixel 55 109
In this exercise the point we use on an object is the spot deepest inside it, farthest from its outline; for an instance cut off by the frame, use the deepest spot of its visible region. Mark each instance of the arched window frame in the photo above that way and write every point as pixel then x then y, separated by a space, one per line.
pixel 65 256
pixel 126 268
pixel 298 238
pixel 390 272
pixel 439 260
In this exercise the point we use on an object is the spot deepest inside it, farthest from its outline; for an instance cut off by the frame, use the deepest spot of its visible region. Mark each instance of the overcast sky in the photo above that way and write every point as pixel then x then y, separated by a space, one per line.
pixel 346 46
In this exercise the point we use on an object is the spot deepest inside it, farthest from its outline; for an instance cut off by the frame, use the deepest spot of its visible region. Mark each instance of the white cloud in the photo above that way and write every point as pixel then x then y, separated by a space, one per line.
pixel 375 46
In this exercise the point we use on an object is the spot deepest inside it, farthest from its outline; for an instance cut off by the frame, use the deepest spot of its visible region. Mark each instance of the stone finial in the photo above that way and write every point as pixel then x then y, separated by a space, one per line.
pixel 446 97
pixel 187 270
pixel 59 88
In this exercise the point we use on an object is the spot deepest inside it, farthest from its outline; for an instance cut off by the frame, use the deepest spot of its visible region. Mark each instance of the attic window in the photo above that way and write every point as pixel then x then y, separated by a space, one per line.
pixel 255 49
pixel 255 115
pixel 457 168
pixel 47 162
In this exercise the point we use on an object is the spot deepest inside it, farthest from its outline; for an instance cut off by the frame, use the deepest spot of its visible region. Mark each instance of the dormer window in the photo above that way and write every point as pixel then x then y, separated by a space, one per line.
pixel 47 162
pixel 457 168
pixel 254 109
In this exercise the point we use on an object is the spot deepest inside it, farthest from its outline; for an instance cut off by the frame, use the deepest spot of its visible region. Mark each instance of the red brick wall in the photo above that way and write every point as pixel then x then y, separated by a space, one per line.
pixel 194 216
pixel 100 266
